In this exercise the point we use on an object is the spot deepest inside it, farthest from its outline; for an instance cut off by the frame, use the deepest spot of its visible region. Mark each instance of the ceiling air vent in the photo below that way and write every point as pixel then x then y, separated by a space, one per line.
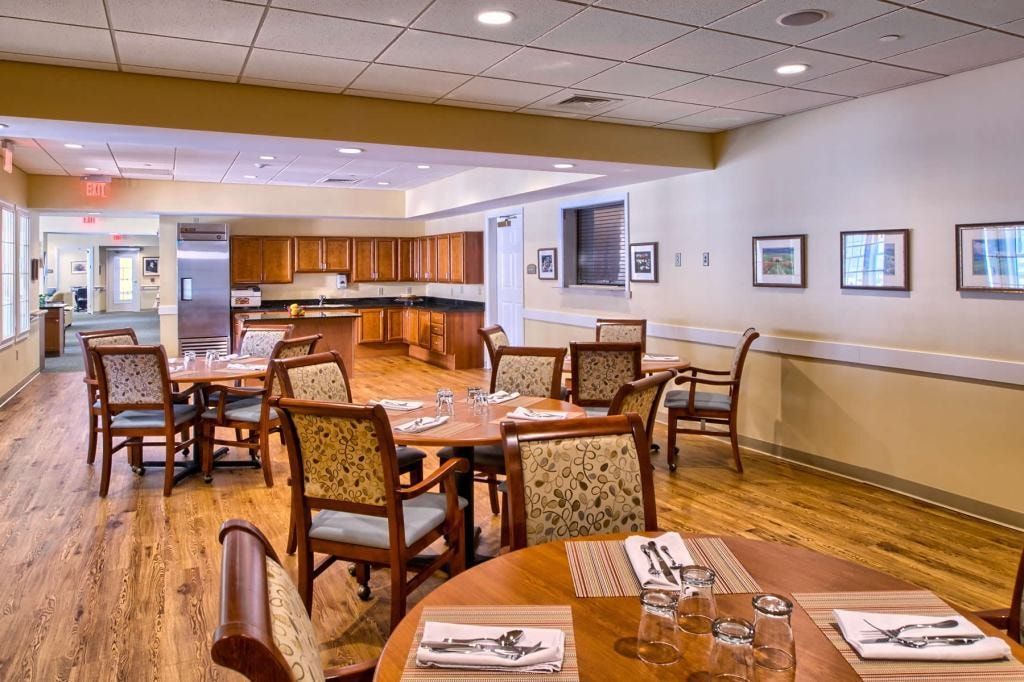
pixel 339 181
pixel 147 172
pixel 586 102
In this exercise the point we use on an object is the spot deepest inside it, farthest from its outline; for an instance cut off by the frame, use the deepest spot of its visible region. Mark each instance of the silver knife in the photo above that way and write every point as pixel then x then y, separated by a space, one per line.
pixel 662 563
pixel 953 640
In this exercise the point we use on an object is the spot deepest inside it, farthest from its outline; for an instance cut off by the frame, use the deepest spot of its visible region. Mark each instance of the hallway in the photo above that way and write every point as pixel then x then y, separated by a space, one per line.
pixel 146 325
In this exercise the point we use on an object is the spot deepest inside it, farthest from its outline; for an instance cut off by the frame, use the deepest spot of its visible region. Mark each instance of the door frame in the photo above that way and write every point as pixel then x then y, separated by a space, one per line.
pixel 137 293
pixel 491 267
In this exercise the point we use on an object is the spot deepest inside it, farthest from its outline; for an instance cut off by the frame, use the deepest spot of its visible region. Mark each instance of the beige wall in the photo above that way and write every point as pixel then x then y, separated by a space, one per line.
pixel 20 359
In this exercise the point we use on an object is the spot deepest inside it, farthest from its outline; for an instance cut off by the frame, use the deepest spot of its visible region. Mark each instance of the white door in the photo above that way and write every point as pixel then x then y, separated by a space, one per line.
pixel 123 281
pixel 508 280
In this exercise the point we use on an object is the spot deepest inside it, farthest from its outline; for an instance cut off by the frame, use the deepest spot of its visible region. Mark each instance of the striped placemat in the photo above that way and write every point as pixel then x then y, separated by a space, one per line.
pixel 602 569
pixel 819 607
pixel 501 616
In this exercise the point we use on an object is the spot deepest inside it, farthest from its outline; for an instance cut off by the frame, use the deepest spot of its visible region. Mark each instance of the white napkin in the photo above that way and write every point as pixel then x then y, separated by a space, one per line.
pixel 676 547
pixel 548 659
pixel 246 366
pixel 236 356
pixel 854 628
pixel 502 397
pixel 397 405
pixel 421 424
pixel 651 357
pixel 535 415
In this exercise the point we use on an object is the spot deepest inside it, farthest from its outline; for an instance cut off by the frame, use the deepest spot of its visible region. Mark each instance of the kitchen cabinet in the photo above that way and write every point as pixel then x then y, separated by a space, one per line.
pixel 277 260
pixel 448 339
pixel 423 328
pixel 375 259
pixel 425 259
pixel 395 332
pixel 322 254
pixel 466 257
pixel 442 258
pixel 261 260
pixel 371 325
pixel 411 327
pixel 406 260
pixel 337 254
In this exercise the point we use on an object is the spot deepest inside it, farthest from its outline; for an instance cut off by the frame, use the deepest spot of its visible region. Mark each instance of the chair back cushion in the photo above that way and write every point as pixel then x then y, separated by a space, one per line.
pixel 90 341
pixel 621 333
pixel 294 348
pixel 291 627
pixel 260 342
pixel 133 378
pixel 641 402
pixel 341 458
pixel 498 338
pixel 601 373
pixel 323 381
pixel 527 374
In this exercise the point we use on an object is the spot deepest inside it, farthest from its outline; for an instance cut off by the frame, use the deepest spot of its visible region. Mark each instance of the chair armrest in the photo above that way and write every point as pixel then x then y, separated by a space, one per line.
pixel 697 380
pixel 230 390
pixel 455 465
pixel 90 382
pixel 700 370
pixel 999 618
pixel 179 396
pixel 357 672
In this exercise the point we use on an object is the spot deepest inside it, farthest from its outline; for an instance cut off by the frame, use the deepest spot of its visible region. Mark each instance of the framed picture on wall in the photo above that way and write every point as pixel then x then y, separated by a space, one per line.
pixel 875 259
pixel 78 267
pixel 780 261
pixel 151 266
pixel 643 262
pixel 547 263
pixel 990 257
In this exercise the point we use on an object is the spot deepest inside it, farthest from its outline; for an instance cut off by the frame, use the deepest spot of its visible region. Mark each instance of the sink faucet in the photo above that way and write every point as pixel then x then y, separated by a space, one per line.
pixel 322 299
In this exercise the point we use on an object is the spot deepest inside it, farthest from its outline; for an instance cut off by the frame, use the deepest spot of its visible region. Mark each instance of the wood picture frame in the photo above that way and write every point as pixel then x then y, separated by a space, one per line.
pixel 994 256
pixel 643 262
pixel 780 261
pixel 547 264
pixel 876 260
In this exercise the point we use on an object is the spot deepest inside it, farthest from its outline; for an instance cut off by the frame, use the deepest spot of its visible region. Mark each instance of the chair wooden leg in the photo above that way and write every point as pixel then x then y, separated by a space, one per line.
pixel 108 445
pixel 672 453
pixel 416 474
pixel 504 534
pixel 492 492
pixel 306 578
pixel 362 575
pixel 734 439
pixel 169 464
pixel 268 473
pixel 292 534
pixel 458 561
pixel 398 594
pixel 94 425
pixel 135 456
pixel 206 431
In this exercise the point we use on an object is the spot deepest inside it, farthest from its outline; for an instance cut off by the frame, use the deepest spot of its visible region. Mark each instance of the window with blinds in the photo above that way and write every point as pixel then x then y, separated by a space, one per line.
pixel 8 269
pixel 601 245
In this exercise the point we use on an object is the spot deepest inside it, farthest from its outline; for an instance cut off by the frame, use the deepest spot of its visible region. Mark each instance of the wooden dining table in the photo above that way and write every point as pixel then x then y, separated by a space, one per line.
pixel 464 431
pixel 605 628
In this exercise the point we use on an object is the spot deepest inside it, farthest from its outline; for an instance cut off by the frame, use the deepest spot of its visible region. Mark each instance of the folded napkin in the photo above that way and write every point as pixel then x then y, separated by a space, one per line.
pixel 502 397
pixel 535 415
pixel 246 366
pixel 397 405
pixel 854 628
pixel 175 368
pixel 641 566
pixel 547 659
pixel 236 356
pixel 421 424
pixel 651 357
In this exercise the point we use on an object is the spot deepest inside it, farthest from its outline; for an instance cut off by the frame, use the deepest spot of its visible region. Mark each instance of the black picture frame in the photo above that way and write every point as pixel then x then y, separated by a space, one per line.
pixel 795 263
pixel 547 264
pixel 643 262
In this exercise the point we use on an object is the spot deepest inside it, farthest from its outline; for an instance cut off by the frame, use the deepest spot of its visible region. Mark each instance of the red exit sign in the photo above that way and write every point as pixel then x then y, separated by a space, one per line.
pixel 97 190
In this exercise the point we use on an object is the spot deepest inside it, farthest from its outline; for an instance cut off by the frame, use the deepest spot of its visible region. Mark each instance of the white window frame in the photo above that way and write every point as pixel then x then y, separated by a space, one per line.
pixel 567 246
pixel 23 254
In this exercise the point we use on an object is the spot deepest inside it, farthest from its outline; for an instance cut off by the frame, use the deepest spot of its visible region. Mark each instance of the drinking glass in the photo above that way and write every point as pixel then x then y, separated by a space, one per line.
pixel 190 358
pixel 211 357
pixel 480 405
pixel 472 393
pixel 731 650
pixel 774 650
pixel 657 641
pixel 697 602
pixel 445 402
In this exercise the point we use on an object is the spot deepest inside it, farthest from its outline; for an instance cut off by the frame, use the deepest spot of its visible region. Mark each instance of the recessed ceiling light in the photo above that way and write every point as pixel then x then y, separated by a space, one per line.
pixel 564 165
pixel 495 17
pixel 260 165
pixel 4 125
pixel 891 38
pixel 72 145
pixel 423 166
pixel 383 183
pixel 791 69
pixel 92 169
pixel 802 18
pixel 267 157
pixel 350 150
pixel 249 177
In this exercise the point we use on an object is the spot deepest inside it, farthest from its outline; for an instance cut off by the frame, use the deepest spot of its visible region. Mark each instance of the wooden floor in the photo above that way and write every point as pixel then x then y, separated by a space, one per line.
pixel 126 588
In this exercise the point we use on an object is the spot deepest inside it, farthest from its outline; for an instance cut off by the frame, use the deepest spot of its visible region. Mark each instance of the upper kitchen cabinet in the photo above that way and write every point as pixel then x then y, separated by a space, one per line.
pixel 277 260
pixel 261 260
pixel 375 259
pixel 323 254
pixel 466 257
pixel 442 258
pixel 425 259
pixel 407 260
pixel 337 254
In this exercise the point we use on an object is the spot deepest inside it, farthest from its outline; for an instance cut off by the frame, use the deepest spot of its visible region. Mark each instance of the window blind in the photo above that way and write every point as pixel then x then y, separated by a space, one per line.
pixel 601 245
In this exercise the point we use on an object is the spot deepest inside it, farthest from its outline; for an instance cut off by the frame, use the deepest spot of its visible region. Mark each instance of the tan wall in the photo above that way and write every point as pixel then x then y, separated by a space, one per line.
pixel 19 360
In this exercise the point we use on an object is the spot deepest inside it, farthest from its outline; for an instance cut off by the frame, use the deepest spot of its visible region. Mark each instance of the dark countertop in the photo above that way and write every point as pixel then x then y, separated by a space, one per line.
pixel 449 305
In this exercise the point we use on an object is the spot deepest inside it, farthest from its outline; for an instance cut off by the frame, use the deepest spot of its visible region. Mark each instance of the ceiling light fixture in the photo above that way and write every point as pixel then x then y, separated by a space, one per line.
pixel 791 69
pixel 4 125
pixel 92 169
pixel 260 165
pixel 803 18
pixel 249 177
pixel 267 157
pixel 564 165
pixel 891 38
pixel 423 166
pixel 350 150
pixel 495 17
pixel 383 183
pixel 72 145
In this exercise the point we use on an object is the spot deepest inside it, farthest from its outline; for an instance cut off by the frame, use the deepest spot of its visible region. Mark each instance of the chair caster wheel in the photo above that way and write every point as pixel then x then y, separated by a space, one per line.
pixel 655 447
pixel 207 478
pixel 185 453
pixel 363 592
pixel 672 467
pixel 140 471
pixel 352 569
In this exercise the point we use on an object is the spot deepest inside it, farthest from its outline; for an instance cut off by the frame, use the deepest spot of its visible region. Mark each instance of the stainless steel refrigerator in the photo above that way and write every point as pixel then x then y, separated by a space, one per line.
pixel 204 287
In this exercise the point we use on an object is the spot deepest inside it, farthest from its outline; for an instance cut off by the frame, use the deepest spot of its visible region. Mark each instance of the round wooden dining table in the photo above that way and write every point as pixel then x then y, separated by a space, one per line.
pixel 605 628
pixel 463 432
pixel 202 372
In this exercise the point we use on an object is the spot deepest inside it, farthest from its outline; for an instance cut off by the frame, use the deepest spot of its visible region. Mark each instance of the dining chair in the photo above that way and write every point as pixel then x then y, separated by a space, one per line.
pixel 577 477
pixel 494 338
pixel 600 369
pixel 87 341
pixel 247 409
pixel 622 331
pixel 642 397
pixel 259 339
pixel 1011 619
pixel 344 468
pixel 529 371
pixel 264 631
pixel 136 402
pixel 705 407
pixel 322 377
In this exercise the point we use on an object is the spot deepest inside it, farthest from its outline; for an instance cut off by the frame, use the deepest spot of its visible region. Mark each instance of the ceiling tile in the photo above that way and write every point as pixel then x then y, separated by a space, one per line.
pixel 301 68
pixel 137 49
pixel 213 20
pixel 761 19
pixel 551 103
pixel 863 80
pixel 819 64
pixel 36 161
pixel 715 91
pixel 202 165
pixel 444 53
pixel 475 105
pixel 707 51
pixel 694 12
pixel 637 79
pixel 655 110
pixel 551 68
pixel 502 92
pixel 271 83
pixel 179 73
pixel 395 12
pixel 963 53
pixel 142 155
pixel 533 19
pixel 55 40
pixel 380 94
pixel 76 160
pixel 58 61
pixel 81 12
pixel 987 12
pixel 325 36
pixel 623 121
pixel 788 101
pixel 724 119
pixel 601 33
pixel 1014 27
pixel 916 29
pixel 403 80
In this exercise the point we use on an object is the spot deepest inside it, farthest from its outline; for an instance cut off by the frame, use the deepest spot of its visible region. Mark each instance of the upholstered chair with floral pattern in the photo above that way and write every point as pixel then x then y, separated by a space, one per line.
pixel 264 631
pixel 599 370
pixel 352 506
pixel 494 338
pixel 577 477
pixel 622 331
pixel 642 397
pixel 258 340
pixel 87 341
pixel 136 402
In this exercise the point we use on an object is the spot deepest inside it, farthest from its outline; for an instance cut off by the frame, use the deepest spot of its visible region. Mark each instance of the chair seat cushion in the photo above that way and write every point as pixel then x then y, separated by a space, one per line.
pixel 243 411
pixel 408 456
pixel 151 419
pixel 490 457
pixel 718 402
pixel 422 514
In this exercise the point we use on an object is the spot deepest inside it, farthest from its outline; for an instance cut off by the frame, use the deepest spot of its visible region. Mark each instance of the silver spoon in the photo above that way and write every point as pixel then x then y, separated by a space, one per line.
pixel 675 564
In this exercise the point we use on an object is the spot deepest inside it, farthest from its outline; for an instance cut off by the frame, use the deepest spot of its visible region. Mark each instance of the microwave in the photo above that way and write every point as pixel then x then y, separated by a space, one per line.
pixel 246 298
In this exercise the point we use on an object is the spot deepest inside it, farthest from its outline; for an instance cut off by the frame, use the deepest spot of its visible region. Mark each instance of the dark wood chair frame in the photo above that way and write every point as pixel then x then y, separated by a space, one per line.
pixel 611 322
pixel 577 348
pixel 398 557
pixel 244 639
pixel 1009 619
pixel 257 441
pixel 660 379
pixel 724 417
pixel 514 433
pixel 92 389
pixel 134 437
pixel 486 333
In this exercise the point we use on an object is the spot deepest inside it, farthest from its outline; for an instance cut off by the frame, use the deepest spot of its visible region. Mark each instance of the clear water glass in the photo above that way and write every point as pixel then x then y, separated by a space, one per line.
pixel 480 404
pixel 445 402
pixel 211 357
pixel 189 358
pixel 731 650
pixel 472 393
pixel 697 610
pixel 774 648
pixel 657 639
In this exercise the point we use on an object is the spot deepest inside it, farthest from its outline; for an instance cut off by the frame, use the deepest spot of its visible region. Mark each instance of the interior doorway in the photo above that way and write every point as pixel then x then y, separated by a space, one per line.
pixel 123 281
pixel 505 273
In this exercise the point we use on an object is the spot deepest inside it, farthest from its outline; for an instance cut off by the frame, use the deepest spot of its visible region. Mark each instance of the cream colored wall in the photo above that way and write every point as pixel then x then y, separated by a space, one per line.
pixel 20 359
